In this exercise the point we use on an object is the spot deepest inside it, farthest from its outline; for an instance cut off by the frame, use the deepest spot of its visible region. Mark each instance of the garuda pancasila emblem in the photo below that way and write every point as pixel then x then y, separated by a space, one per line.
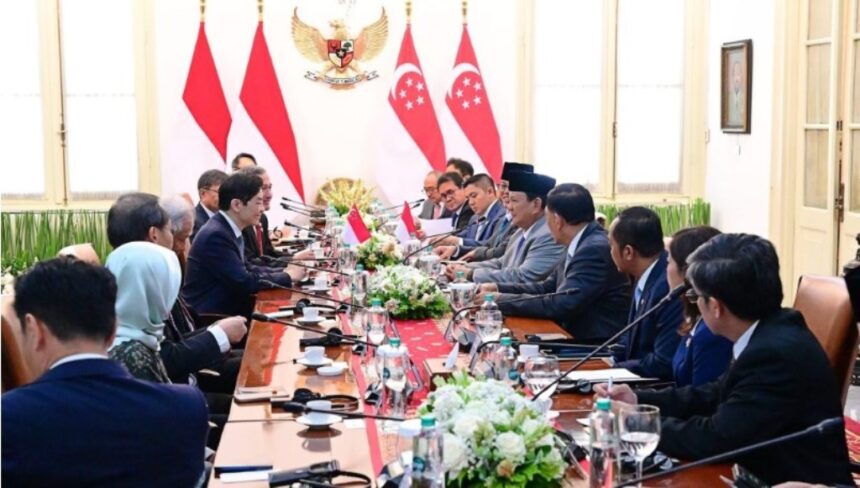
pixel 342 52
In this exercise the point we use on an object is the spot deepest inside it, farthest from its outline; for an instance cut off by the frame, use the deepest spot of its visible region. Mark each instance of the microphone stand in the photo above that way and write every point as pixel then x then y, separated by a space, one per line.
pixel 281 262
pixel 818 428
pixel 672 295
pixel 295 407
pixel 307 205
pixel 307 293
pixel 334 335
pixel 440 238
pixel 412 204
pixel 298 210
pixel 308 229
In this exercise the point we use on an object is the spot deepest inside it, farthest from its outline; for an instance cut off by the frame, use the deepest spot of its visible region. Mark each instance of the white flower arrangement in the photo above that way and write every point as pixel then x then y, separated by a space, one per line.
pixel 408 293
pixel 493 436
pixel 379 251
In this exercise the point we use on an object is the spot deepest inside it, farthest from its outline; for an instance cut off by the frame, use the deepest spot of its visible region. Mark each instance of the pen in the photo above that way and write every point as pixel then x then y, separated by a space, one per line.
pixel 609 387
pixel 241 469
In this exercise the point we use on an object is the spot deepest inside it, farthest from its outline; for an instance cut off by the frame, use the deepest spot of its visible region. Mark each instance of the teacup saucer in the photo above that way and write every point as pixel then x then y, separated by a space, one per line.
pixel 319 421
pixel 306 362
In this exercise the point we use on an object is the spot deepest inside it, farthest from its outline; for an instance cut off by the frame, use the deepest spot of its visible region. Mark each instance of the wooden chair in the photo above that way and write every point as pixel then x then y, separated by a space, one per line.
pixel 85 252
pixel 14 370
pixel 826 307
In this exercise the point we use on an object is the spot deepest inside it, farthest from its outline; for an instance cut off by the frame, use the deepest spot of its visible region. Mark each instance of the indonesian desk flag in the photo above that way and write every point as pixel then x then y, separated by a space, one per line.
pixel 412 142
pixel 355 232
pixel 470 105
pixel 406 226
pixel 262 126
pixel 204 96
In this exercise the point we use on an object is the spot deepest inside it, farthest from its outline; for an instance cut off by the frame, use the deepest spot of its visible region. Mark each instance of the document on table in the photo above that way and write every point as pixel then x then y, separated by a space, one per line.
pixel 436 226
pixel 600 375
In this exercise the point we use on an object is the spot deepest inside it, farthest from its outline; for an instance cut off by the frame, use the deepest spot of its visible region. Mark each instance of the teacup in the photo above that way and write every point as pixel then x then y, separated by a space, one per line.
pixel 315 354
pixel 529 350
pixel 311 313
pixel 303 234
pixel 318 417
pixel 321 281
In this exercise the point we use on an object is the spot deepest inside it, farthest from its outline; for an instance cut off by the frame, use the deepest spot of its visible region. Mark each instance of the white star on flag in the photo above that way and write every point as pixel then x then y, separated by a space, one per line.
pixel 467 82
pixel 408 81
pixel 459 93
pixel 420 100
pixel 477 87
pixel 420 86
pixel 465 104
pixel 402 93
pixel 408 105
pixel 476 100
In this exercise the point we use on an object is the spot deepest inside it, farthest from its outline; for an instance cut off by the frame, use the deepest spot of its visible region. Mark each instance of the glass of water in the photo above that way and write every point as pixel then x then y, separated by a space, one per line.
pixel 539 372
pixel 639 426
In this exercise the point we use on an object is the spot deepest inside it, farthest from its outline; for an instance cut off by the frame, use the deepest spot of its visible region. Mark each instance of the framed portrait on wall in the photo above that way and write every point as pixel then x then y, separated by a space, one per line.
pixel 736 87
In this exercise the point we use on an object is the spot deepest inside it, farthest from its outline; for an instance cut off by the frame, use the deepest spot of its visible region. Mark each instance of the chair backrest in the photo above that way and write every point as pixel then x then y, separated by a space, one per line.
pixel 14 370
pixel 85 252
pixel 826 307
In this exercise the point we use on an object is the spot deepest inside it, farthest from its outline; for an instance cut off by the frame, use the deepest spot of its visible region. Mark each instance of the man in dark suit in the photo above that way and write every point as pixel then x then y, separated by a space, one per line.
pixel 636 240
pixel 207 189
pixel 451 190
pixel 218 280
pixel 480 193
pixel 599 309
pixel 780 381
pixel 85 421
pixel 496 246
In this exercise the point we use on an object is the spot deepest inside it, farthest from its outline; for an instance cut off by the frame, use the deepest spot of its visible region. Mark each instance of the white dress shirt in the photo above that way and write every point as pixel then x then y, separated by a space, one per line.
pixel 743 341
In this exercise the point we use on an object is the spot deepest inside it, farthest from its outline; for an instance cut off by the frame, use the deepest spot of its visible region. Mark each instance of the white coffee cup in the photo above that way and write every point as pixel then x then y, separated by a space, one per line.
pixel 303 234
pixel 319 253
pixel 315 354
pixel 317 417
pixel 321 281
pixel 529 350
pixel 311 313
pixel 316 245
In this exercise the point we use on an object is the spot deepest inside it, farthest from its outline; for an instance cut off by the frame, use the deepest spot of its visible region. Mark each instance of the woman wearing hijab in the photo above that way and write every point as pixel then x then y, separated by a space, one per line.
pixel 148 279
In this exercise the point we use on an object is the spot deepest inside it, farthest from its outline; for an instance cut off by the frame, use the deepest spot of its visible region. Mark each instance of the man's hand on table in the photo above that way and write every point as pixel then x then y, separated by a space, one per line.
pixel 483 289
pixel 444 252
pixel 619 393
pixel 306 254
pixel 234 327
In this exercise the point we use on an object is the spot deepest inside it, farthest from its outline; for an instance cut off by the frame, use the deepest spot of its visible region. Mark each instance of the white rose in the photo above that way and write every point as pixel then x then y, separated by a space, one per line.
pixel 455 454
pixel 546 440
pixel 500 417
pixel 466 424
pixel 511 446
pixel 530 426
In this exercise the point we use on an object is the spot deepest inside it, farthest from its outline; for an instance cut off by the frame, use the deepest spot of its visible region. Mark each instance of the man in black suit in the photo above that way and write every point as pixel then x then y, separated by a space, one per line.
pixel 636 241
pixel 218 280
pixel 451 191
pixel 207 189
pixel 780 381
pixel 599 309
pixel 85 421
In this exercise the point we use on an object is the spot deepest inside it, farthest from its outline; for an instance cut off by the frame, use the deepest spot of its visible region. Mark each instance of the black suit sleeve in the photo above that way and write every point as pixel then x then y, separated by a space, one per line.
pixel 760 404
pixel 230 270
pixel 195 352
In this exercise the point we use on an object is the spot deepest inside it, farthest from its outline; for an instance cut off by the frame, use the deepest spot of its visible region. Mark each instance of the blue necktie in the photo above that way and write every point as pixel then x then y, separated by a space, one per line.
pixel 637 295
pixel 454 219
pixel 520 244
pixel 241 241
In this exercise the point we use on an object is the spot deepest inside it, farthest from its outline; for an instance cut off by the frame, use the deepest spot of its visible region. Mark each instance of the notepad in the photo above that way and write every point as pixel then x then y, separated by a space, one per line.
pixel 245 476
pixel 598 375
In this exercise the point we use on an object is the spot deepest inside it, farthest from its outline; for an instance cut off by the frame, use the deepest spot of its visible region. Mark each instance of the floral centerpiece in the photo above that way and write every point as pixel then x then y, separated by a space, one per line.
pixel 408 293
pixel 343 193
pixel 493 436
pixel 378 251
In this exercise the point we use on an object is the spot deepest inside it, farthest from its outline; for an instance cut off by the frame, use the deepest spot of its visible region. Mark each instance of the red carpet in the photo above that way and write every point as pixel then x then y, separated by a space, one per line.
pixel 852 437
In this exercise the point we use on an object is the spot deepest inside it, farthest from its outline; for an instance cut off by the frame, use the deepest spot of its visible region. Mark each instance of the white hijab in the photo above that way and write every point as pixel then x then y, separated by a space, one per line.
pixel 148 279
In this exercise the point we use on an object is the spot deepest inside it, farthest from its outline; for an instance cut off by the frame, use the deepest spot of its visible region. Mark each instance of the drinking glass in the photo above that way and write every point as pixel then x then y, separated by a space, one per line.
pixel 539 372
pixel 639 426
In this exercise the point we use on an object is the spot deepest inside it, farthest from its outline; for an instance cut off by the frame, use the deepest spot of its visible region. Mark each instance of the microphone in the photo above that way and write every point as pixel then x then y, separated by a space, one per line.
pixel 336 335
pixel 299 211
pixel 288 262
pixel 459 312
pixel 296 226
pixel 672 295
pixel 296 407
pixel 819 428
pixel 412 204
pixel 272 284
pixel 440 237
pixel 298 202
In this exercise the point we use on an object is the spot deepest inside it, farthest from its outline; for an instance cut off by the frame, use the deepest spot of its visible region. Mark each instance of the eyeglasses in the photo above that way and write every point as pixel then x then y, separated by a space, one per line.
pixel 692 297
pixel 428 190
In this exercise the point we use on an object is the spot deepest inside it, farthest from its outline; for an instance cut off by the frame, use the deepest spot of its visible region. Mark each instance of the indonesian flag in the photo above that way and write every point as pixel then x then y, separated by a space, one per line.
pixel 413 144
pixel 355 231
pixel 204 96
pixel 406 226
pixel 470 105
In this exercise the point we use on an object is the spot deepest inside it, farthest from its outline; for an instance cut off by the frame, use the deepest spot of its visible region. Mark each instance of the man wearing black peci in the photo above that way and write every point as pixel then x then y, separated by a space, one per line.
pixel 780 381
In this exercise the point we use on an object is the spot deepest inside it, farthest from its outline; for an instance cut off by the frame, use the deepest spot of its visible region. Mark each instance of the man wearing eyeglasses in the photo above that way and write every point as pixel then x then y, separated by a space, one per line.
pixel 779 383
pixel 433 207
pixel 451 192
pixel 207 189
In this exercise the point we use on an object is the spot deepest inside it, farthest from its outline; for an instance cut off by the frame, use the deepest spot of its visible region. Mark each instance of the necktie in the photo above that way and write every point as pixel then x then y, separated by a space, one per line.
pixel 637 295
pixel 454 220
pixel 241 242
pixel 437 211
pixel 520 245
pixel 258 229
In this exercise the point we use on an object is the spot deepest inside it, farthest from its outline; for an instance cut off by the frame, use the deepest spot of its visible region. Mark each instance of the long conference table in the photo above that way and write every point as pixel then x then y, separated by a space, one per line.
pixel 255 434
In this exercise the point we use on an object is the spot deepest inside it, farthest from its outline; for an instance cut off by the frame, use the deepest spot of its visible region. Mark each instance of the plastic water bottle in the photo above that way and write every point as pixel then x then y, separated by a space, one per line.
pixel 395 365
pixel 489 319
pixel 505 362
pixel 461 291
pixel 427 468
pixel 377 321
pixel 407 432
pixel 604 445
pixel 360 284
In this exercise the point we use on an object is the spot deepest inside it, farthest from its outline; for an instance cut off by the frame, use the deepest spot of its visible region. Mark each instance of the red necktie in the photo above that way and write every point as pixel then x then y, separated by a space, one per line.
pixel 258 229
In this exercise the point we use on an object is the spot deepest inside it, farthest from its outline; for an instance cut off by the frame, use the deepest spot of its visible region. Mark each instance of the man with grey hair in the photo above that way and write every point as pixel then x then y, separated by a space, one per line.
pixel 433 208
pixel 181 215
